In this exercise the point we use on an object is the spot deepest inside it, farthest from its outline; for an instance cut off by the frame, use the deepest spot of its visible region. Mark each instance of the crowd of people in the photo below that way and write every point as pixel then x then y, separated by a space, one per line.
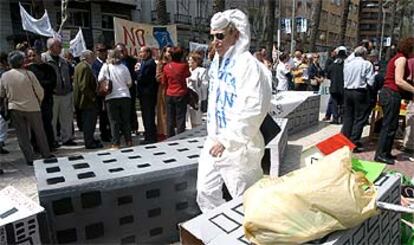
pixel 48 95
pixel 54 88
pixel 357 84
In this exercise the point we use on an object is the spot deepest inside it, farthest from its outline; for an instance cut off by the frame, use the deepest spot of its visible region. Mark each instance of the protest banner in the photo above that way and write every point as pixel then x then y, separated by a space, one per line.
pixel 135 35
pixel 77 45
pixel 198 47
pixel 40 26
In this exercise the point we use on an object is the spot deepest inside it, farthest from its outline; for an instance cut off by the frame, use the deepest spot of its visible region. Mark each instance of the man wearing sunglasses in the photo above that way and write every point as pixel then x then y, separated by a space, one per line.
pixel 239 99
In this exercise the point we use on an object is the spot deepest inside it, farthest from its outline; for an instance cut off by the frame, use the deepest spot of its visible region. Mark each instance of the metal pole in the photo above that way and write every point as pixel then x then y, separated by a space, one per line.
pixel 382 32
pixel 293 28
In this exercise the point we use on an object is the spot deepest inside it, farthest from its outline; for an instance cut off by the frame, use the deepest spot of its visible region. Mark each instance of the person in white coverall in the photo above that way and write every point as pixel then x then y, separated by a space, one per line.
pixel 239 99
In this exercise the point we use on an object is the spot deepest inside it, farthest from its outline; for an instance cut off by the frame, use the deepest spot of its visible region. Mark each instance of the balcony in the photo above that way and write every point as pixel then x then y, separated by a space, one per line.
pixel 183 19
pixel 154 16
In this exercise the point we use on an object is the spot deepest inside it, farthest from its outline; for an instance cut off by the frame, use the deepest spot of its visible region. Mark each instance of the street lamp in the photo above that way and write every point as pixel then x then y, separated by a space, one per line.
pixel 383 26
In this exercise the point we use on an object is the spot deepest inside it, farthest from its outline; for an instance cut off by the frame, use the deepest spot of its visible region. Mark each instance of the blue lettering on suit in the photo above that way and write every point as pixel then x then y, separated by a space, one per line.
pixel 225 92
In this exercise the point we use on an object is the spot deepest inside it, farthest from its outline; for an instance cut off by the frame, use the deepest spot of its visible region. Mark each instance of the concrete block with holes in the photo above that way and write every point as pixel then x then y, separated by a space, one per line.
pixel 224 225
pixel 133 195
pixel 274 152
pixel 18 220
pixel 302 115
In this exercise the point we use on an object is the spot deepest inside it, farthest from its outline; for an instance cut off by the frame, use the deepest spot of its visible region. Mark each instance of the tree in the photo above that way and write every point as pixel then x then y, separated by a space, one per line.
pixel 344 22
pixel 162 16
pixel 315 18
pixel 219 5
pixel 269 25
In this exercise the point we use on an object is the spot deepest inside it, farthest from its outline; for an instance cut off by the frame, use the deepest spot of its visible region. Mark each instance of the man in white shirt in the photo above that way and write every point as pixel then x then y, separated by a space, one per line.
pixel 283 73
pixel 358 75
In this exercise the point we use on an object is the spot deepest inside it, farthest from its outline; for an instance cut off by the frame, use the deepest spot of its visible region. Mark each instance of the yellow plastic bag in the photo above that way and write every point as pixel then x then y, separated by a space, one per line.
pixel 308 203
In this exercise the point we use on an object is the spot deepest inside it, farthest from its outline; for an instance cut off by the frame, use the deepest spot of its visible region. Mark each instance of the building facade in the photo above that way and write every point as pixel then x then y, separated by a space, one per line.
pixel 371 20
pixel 192 18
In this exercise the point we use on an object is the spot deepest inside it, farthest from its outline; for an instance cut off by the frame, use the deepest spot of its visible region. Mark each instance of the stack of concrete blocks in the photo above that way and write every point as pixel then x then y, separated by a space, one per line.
pixel 18 220
pixel 304 116
pixel 223 225
pixel 133 195
pixel 274 151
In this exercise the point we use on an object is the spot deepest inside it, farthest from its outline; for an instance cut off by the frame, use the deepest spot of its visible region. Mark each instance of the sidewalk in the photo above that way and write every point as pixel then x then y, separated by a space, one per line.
pixel 21 176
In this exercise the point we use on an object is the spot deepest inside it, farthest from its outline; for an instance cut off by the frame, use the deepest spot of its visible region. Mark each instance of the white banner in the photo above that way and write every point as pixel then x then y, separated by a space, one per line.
pixel 198 47
pixel 288 28
pixel 286 101
pixel 77 45
pixel 135 35
pixel 40 26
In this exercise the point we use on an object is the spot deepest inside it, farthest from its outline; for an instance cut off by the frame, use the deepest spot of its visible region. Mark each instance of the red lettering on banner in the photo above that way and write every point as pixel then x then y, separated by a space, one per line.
pixel 129 35
pixel 139 33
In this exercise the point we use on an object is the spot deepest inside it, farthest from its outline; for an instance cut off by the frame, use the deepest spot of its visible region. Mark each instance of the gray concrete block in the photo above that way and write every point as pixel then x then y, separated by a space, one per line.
pixel 136 193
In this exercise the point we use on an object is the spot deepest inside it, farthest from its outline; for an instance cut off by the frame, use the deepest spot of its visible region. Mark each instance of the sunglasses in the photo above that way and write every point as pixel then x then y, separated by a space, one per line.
pixel 218 36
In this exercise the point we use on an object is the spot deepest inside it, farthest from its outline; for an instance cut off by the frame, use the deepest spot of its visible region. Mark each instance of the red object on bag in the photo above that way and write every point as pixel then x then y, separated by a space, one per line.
pixel 334 143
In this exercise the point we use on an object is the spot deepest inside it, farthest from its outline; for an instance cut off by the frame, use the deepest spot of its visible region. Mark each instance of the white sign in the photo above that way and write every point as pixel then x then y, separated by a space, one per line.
pixel 77 45
pixel 198 47
pixel 40 26
pixel 65 38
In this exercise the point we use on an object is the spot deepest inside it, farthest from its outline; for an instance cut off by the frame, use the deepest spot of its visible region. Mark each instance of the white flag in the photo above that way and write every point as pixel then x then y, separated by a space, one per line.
pixel 40 26
pixel 198 47
pixel 288 28
pixel 77 45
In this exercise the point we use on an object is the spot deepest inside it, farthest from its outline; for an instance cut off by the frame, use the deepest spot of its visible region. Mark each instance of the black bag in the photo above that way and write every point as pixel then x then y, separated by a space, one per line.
pixel 269 129
pixel 192 99
pixel 4 112
pixel 406 95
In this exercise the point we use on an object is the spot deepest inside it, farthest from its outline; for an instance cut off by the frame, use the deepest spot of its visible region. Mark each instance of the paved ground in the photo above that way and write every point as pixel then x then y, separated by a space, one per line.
pixel 21 176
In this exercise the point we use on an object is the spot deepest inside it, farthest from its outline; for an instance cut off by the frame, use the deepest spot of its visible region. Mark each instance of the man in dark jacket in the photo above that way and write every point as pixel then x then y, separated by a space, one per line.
pixel 147 88
pixel 62 94
pixel 130 63
pixel 104 127
pixel 335 72
pixel 84 94
pixel 47 78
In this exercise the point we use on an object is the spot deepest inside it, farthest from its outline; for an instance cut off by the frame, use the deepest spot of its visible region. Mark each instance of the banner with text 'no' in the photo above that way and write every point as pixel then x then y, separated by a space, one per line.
pixel 135 35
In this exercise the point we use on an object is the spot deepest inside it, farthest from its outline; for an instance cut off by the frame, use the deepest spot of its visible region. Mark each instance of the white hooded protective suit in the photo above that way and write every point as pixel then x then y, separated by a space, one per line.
pixel 239 99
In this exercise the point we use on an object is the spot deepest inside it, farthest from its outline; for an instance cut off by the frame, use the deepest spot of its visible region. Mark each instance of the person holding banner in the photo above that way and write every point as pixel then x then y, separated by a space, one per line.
pixel 240 90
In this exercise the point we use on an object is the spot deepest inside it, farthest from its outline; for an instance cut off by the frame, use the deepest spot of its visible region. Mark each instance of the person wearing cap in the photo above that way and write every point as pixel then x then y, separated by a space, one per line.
pixel 358 76
pixel 239 99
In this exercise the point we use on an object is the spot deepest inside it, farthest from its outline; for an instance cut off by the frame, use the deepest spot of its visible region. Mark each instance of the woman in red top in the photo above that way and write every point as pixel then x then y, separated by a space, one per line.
pixel 390 99
pixel 175 74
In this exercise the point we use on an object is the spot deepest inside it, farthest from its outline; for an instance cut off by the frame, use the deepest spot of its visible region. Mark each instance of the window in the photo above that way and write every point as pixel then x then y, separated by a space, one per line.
pixel 108 21
pixel 76 18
